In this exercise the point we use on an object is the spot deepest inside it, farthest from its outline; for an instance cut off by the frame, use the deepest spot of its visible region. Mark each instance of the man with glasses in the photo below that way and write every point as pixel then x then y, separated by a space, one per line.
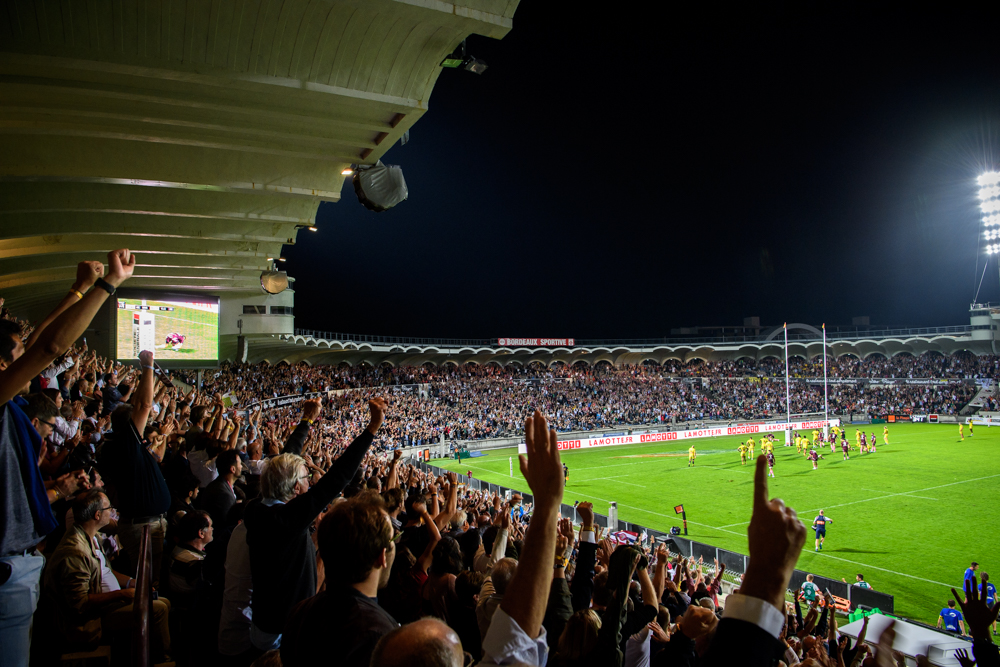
pixel 282 556
pixel 82 597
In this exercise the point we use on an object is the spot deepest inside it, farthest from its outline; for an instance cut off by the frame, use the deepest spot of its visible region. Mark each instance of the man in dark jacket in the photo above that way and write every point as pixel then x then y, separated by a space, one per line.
pixel 220 496
pixel 282 556
pixel 355 539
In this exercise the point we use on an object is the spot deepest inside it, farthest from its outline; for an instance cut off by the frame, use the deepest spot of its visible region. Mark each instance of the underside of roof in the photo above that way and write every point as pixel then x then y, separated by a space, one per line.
pixel 313 351
pixel 201 135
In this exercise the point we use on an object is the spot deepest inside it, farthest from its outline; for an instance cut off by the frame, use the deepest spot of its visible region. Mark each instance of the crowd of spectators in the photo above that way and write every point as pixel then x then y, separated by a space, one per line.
pixel 299 537
pixel 475 402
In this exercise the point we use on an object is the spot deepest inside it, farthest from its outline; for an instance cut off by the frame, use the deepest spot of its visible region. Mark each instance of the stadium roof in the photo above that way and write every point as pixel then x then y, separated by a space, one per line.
pixel 202 135
pixel 314 347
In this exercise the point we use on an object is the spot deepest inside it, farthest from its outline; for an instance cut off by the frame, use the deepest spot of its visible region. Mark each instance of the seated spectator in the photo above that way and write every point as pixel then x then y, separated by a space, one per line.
pixel 84 597
pixel 357 547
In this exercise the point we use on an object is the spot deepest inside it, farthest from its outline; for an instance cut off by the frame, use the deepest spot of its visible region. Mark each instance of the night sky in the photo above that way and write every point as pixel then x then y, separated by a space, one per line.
pixel 617 176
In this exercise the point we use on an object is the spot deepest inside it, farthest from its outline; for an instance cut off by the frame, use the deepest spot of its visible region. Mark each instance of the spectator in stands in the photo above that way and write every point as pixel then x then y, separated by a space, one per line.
pixel 111 393
pixel 83 596
pixel 140 491
pixel 25 499
pixel 220 496
pixel 282 556
pixel 357 546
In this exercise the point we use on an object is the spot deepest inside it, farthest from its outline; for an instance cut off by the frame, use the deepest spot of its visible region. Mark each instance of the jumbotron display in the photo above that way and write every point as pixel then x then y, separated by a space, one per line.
pixel 178 328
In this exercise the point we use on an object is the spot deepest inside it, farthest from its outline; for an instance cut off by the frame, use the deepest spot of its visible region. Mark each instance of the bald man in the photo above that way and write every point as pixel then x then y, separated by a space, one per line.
pixel 426 643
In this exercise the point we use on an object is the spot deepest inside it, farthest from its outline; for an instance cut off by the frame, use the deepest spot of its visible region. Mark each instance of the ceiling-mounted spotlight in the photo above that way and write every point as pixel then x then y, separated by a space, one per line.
pixel 274 282
pixel 458 59
pixel 380 187
pixel 347 171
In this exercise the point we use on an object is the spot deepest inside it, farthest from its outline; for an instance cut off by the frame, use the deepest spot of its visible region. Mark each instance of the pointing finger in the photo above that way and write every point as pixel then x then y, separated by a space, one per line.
pixel 760 484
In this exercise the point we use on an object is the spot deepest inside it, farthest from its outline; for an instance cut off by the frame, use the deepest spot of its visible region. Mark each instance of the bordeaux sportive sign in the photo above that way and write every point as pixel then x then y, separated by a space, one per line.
pixel 536 342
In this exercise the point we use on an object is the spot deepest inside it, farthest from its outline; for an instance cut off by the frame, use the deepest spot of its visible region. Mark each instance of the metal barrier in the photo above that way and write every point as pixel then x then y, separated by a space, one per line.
pixel 143 602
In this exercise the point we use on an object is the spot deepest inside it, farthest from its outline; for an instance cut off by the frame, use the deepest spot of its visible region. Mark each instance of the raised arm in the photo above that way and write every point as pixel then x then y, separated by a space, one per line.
pixel 142 401
pixel 57 337
pixel 393 480
pixel 297 440
pixel 87 274
pixel 301 510
pixel 527 594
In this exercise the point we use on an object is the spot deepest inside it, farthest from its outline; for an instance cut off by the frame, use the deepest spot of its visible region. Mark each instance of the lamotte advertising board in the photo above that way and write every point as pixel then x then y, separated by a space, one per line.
pixel 643 438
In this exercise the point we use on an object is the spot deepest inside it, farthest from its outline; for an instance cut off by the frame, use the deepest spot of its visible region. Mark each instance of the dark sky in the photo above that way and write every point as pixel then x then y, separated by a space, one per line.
pixel 616 176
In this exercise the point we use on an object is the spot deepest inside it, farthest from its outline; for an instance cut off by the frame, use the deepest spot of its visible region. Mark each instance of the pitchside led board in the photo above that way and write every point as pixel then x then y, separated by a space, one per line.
pixel 182 330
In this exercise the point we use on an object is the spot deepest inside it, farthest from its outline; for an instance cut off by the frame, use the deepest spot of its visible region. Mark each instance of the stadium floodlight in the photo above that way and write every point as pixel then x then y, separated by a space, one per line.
pixel 990 178
pixel 991 234
pixel 990 206
pixel 992 219
pixel 458 59
pixel 347 171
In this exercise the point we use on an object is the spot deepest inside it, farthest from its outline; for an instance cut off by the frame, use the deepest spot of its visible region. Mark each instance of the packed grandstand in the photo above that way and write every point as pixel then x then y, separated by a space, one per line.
pixel 205 484
pixel 229 486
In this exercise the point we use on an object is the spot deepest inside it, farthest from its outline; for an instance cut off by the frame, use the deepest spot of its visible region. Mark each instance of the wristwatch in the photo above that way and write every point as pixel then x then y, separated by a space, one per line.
pixel 105 285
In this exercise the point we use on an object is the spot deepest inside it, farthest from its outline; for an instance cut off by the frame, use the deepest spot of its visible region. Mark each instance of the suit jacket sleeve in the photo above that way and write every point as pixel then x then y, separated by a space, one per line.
pixel 582 589
pixel 297 440
pixel 742 643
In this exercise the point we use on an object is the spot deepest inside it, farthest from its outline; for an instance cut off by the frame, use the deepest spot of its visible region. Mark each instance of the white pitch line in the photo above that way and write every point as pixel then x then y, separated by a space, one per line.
pixel 617 481
pixel 853 562
pixel 875 567
pixel 891 495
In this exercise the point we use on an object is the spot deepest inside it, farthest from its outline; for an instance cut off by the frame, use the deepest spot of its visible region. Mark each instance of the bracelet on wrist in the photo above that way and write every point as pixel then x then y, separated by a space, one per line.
pixel 105 285
pixel 588 529
pixel 78 293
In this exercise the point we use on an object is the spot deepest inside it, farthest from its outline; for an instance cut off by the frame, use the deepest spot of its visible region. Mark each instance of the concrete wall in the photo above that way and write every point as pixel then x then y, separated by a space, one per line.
pixel 232 313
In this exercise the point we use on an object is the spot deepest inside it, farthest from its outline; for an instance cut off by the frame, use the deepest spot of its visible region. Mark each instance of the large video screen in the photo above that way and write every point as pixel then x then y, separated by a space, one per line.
pixel 182 330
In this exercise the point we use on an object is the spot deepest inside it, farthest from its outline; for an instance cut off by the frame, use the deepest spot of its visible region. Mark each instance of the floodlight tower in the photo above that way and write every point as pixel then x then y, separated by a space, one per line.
pixel 989 198
pixel 982 316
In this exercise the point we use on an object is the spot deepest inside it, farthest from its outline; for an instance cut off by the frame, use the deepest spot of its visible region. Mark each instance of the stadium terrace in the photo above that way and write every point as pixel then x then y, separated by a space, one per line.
pixel 191 480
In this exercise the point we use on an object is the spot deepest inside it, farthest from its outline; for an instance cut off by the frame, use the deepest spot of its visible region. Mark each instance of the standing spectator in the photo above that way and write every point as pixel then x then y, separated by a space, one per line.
pixel 25 501
pixel 282 556
pixel 357 546
pixel 141 493
pixel 111 395
pixel 220 496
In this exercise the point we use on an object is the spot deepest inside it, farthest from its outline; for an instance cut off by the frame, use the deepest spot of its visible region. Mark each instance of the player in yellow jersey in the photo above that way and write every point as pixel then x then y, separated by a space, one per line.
pixel 961 427
pixel 885 435
pixel 742 449
pixel 691 455
pixel 815 436
pixel 750 449
pixel 798 445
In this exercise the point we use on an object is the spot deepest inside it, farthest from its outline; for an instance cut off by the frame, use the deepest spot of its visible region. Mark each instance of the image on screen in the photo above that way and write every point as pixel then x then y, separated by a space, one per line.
pixel 175 330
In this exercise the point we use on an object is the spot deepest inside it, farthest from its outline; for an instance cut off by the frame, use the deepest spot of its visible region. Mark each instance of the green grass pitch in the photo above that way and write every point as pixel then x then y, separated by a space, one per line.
pixel 910 517
pixel 201 329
